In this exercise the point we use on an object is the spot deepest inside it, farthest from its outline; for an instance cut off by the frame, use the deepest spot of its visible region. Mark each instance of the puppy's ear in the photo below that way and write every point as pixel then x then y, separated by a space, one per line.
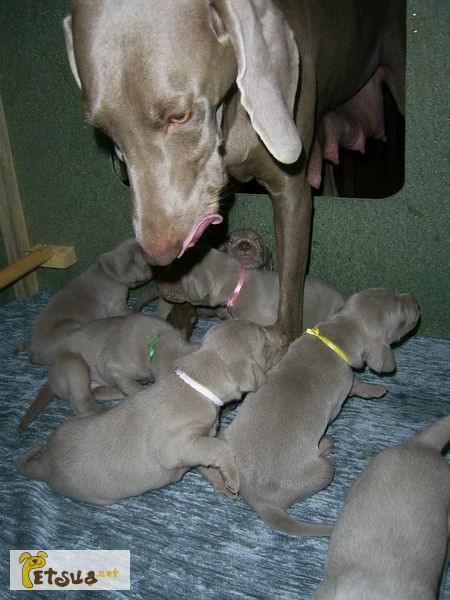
pixel 126 264
pixel 255 379
pixel 197 291
pixel 141 269
pixel 380 358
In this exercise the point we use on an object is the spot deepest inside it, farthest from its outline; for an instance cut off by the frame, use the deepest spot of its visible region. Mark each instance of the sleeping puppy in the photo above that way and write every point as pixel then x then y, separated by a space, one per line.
pixel 154 437
pixel 247 247
pixel 391 538
pixel 278 435
pixel 217 280
pixel 115 353
pixel 101 291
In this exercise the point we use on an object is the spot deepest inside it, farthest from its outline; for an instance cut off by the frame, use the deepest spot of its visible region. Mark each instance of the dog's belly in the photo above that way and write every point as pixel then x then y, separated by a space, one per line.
pixel 348 126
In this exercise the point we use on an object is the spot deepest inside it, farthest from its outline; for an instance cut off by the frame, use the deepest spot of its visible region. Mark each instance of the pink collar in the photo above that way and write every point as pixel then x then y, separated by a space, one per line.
pixel 237 289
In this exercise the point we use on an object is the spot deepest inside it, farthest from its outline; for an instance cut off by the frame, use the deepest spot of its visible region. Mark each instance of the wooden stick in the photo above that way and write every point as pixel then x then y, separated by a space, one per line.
pixel 12 220
pixel 23 266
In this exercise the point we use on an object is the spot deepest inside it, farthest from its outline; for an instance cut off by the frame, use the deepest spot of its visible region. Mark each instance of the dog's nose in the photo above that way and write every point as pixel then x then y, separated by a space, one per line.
pixel 244 246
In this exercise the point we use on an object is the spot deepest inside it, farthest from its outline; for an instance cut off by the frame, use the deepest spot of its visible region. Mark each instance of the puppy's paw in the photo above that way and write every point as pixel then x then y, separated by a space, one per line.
pixel 213 476
pixel 367 390
pixel 231 483
pixel 230 492
pixel 377 390
pixel 326 444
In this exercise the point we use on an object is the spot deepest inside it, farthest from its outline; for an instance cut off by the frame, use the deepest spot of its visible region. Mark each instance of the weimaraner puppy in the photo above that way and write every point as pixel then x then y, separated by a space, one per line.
pixel 218 280
pixel 249 249
pixel 278 435
pixel 244 245
pixel 101 291
pixel 154 437
pixel 115 353
pixel 392 536
pixel 193 91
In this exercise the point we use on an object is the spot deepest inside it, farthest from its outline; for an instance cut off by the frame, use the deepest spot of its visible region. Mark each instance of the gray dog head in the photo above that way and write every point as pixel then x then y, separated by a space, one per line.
pixel 126 264
pixel 249 249
pixel 384 317
pixel 154 75
pixel 234 357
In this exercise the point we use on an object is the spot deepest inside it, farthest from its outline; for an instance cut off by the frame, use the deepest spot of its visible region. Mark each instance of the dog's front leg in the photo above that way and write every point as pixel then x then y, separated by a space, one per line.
pixel 127 385
pixel 363 389
pixel 292 208
pixel 212 452
pixel 213 477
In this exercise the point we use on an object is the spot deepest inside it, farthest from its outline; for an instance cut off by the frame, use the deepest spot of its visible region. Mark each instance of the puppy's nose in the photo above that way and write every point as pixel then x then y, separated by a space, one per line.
pixel 244 246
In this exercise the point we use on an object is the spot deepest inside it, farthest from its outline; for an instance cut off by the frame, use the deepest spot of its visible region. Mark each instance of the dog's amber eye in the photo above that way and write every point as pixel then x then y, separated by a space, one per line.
pixel 181 118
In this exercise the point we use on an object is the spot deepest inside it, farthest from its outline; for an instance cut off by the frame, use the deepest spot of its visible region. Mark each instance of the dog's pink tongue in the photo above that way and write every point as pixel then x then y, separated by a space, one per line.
pixel 198 230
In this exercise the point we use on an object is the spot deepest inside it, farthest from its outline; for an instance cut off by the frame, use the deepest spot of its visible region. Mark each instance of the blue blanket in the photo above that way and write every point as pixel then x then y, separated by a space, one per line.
pixel 185 540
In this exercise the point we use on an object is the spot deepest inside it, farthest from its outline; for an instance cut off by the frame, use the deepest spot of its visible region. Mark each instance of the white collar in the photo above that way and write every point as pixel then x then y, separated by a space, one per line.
pixel 199 388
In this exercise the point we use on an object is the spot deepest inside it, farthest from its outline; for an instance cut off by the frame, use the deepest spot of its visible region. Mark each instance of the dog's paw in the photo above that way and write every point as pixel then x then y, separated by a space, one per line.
pixel 232 493
pixel 326 444
pixel 366 390
pixel 231 484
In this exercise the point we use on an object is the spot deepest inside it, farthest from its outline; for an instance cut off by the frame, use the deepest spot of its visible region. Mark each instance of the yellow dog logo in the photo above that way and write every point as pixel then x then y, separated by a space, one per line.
pixel 31 562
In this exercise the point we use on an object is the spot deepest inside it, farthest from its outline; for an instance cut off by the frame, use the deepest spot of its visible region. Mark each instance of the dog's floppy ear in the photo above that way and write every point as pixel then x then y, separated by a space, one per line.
pixel 379 357
pixel 196 289
pixel 141 270
pixel 120 264
pixel 256 379
pixel 67 26
pixel 268 66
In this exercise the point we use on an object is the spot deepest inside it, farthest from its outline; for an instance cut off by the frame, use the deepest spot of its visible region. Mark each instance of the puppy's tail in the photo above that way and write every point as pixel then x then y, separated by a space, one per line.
pixel 279 519
pixel 33 467
pixel 435 436
pixel 43 397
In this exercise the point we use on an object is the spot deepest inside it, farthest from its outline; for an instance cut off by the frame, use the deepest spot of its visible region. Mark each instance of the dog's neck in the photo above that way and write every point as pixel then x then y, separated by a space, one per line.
pixel 198 387
pixel 214 377
pixel 232 299
pixel 315 331
pixel 223 284
pixel 344 334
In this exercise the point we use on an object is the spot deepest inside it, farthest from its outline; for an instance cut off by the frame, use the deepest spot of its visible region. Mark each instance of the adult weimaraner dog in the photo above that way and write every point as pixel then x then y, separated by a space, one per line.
pixel 116 354
pixel 190 91
pixel 154 437
pixel 278 437
pixel 392 536
pixel 100 291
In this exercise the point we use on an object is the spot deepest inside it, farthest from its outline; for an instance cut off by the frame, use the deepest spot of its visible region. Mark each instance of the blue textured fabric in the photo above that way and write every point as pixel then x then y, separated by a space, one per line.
pixel 185 540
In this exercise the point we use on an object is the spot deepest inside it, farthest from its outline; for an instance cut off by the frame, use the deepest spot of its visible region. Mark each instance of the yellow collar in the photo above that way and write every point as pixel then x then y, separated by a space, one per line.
pixel 315 331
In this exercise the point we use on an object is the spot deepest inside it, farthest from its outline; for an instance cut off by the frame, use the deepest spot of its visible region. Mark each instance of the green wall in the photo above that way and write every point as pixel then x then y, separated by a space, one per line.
pixel 71 195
